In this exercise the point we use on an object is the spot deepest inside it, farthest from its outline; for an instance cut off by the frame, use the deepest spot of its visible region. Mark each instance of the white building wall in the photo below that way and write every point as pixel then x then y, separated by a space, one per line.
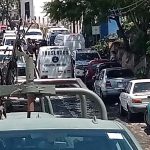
pixel 36 10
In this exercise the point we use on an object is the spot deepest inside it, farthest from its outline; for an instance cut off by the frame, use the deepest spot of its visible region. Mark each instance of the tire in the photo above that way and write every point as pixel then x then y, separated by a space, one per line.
pixel 101 95
pixel 121 110
pixel 146 119
pixel 130 116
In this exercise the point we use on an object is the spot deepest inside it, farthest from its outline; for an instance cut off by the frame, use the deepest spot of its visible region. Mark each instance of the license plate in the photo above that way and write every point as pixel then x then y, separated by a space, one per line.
pixel 120 85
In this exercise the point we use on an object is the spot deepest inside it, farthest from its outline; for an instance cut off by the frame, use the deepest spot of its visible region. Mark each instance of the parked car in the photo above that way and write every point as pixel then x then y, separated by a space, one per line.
pixel 135 98
pixel 147 115
pixel 111 81
pixel 104 65
pixel 43 131
pixel 90 72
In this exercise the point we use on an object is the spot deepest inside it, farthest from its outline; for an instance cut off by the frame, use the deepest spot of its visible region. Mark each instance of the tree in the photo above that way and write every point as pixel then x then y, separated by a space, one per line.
pixel 5 9
pixel 93 12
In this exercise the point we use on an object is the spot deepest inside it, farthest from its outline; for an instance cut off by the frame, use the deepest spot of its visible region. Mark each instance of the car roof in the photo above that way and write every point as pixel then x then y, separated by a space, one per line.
pixel 116 68
pixel 140 80
pixel 107 63
pixel 52 47
pixel 10 37
pixel 36 30
pixel 20 115
pixel 56 123
pixel 86 51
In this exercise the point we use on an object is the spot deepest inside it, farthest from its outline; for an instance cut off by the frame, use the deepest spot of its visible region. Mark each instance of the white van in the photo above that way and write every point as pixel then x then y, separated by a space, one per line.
pixel 81 60
pixel 53 32
pixel 54 62
pixel 73 41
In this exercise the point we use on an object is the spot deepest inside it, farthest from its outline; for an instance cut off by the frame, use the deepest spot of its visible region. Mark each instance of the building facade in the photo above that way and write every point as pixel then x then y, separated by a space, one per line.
pixel 33 9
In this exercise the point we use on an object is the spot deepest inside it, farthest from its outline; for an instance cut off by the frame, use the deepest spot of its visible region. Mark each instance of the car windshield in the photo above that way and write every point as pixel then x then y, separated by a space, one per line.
pixel 33 33
pixel 10 42
pixel 5 57
pixel 86 56
pixel 66 140
pixel 122 73
pixel 141 87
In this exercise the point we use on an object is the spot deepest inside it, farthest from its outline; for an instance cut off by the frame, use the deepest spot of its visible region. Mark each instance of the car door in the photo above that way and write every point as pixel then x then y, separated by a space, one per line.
pixel 96 78
pixel 125 96
pixel 100 82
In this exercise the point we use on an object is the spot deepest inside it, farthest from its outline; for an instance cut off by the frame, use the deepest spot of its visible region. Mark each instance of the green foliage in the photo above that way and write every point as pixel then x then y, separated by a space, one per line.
pixel 101 46
pixel 148 48
pixel 141 73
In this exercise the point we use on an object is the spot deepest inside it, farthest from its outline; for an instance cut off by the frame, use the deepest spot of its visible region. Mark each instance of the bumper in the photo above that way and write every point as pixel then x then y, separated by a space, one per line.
pixel 111 92
pixel 140 108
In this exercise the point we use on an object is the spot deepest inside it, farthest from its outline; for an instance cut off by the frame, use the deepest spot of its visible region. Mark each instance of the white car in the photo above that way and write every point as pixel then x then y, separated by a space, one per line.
pixel 135 98
pixel 34 34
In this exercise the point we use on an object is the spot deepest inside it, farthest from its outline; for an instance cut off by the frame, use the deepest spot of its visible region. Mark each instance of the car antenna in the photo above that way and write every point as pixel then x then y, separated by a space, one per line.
pixel 95 120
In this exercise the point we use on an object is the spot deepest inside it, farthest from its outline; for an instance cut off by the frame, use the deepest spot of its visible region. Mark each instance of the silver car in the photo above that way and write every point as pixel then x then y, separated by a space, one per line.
pixel 111 81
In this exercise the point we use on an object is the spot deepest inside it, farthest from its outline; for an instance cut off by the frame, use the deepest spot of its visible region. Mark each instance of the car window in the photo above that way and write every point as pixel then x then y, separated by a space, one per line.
pixel 141 87
pixel 66 139
pixel 86 56
pixel 101 76
pixel 128 87
pixel 33 33
pixel 120 73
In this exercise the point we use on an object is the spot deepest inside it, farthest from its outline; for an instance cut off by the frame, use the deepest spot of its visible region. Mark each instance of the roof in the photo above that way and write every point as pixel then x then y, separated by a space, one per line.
pixel 140 80
pixel 10 37
pixel 36 30
pixel 116 68
pixel 86 51
pixel 51 47
pixel 20 115
pixel 56 123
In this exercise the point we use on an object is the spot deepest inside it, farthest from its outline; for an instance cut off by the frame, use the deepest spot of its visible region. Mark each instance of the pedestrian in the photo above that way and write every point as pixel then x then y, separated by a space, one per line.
pixel 29 46
pixel 2 109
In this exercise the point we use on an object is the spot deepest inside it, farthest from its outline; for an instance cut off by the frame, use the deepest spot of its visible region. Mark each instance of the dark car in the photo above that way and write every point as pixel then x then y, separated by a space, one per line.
pixel 90 72
pixel 101 66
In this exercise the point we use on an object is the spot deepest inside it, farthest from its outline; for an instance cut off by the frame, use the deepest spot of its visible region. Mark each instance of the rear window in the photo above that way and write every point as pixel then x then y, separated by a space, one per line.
pixel 120 73
pixel 141 87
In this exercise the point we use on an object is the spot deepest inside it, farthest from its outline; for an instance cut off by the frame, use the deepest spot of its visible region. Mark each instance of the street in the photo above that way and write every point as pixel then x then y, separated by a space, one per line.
pixel 69 107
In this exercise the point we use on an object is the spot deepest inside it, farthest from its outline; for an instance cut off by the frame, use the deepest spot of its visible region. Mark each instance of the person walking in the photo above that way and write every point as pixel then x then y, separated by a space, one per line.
pixel 2 109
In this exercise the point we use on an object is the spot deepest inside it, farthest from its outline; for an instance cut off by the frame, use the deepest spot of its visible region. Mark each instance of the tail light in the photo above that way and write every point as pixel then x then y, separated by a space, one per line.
pixel 136 100
pixel 108 84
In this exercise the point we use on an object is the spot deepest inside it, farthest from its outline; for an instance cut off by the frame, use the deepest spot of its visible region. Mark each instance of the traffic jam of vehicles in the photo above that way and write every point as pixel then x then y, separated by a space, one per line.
pixel 68 79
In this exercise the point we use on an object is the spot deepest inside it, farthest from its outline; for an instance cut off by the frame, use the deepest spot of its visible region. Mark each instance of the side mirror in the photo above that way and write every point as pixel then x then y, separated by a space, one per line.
pixel 123 90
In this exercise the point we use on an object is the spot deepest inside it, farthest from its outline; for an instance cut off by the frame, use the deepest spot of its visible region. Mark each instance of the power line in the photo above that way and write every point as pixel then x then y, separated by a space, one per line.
pixel 132 9
pixel 120 12
pixel 127 7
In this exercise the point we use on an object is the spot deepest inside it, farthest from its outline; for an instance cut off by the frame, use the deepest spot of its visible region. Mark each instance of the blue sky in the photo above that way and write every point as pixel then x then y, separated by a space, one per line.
pixel 112 27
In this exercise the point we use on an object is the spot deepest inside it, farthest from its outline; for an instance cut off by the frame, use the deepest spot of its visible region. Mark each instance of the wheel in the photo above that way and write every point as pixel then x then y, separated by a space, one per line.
pixel 147 119
pixel 121 110
pixel 130 115
pixel 101 95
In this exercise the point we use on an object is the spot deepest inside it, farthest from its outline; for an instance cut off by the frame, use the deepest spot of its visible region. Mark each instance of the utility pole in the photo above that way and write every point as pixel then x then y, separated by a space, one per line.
pixel 7 12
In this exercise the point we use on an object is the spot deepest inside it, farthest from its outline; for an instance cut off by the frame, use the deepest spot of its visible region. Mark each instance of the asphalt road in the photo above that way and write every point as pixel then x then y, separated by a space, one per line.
pixel 70 107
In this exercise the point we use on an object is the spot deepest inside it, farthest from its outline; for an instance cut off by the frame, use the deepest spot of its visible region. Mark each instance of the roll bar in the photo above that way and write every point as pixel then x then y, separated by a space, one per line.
pixel 52 87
